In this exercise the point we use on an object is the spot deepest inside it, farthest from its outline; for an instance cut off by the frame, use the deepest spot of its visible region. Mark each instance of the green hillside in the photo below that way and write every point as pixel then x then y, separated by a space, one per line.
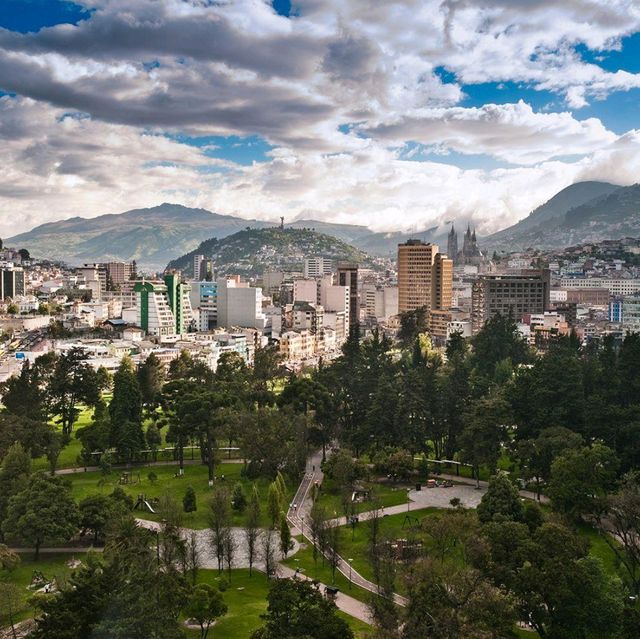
pixel 252 251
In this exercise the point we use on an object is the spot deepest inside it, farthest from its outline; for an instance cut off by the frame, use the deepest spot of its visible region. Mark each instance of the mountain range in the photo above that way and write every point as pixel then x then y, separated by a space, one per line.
pixel 582 212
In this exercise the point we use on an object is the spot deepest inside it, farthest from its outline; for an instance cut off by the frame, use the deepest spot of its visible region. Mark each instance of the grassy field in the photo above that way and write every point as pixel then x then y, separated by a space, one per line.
pixel 91 483
pixel 354 543
pixel 69 454
pixel 381 495
pixel 49 565
pixel 321 571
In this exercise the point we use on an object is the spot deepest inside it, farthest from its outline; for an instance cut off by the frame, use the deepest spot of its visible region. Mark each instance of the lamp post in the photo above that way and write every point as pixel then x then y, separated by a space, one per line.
pixel 350 560
pixel 408 500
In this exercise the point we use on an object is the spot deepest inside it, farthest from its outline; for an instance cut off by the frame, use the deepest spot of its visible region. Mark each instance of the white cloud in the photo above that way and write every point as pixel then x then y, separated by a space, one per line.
pixel 143 69
pixel 511 132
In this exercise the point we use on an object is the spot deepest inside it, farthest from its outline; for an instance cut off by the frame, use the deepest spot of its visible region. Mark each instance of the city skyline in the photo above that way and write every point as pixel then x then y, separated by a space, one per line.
pixel 398 116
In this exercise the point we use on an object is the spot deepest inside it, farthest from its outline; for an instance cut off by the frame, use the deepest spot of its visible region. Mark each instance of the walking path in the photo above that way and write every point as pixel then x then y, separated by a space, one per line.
pixel 300 511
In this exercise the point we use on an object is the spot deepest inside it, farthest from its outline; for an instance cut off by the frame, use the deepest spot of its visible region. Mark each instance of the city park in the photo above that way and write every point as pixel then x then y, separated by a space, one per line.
pixel 301 488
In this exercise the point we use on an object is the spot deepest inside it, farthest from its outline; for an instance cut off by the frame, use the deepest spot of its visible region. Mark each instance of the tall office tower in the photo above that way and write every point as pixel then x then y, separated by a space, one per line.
pixel 424 277
pixel 12 283
pixel 452 244
pixel 509 295
pixel 442 285
pixel 204 297
pixel 179 302
pixel 317 266
pixel 197 263
pixel 118 272
pixel 348 276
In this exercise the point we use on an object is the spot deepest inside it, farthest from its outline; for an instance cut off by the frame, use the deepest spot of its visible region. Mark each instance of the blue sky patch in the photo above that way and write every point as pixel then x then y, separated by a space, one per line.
pixel 32 15
pixel 240 150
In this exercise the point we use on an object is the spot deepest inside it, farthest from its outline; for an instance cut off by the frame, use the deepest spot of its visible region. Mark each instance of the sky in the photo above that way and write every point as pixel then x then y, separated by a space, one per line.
pixel 399 115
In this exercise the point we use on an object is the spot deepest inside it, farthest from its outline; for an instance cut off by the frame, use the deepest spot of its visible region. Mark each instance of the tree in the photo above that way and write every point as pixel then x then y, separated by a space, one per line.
pixel 125 411
pixel 10 604
pixel 14 476
pixel 219 522
pixel 34 436
pixel 150 380
pixel 486 422
pixel 72 382
pixel 229 547
pixel 251 529
pixel 296 609
pixel 580 480
pixel 448 602
pixel 622 520
pixel 25 394
pixel 25 256
pixel 497 341
pixel 537 455
pixel 501 500
pixel 204 607
pixel 123 594
pixel 97 512
pixel 412 323
pixel 238 499
pixel 268 552
pixel 9 560
pixel 189 503
pixel 44 512
pixel 274 503
pixel 285 536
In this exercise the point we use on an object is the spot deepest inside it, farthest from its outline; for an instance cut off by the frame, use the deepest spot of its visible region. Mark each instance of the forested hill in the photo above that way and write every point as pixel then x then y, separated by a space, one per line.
pixel 252 251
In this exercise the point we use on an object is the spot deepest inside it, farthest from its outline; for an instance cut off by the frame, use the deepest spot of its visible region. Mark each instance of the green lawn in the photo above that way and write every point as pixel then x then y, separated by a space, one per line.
pixel 90 483
pixel 50 565
pixel 381 495
pixel 321 571
pixel 599 548
pixel 246 598
pixel 354 543
pixel 69 454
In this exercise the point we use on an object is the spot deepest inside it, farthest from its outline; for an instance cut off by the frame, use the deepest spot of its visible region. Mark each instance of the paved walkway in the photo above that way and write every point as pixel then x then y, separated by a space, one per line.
pixel 300 510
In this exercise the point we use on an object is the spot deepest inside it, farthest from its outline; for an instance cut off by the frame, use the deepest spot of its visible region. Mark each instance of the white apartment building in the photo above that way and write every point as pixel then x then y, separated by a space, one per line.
pixel 239 304
pixel 380 302
pixel 317 266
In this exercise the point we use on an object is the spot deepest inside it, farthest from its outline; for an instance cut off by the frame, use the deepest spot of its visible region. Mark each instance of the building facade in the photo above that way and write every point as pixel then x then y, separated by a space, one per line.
pixel 509 295
pixel 348 276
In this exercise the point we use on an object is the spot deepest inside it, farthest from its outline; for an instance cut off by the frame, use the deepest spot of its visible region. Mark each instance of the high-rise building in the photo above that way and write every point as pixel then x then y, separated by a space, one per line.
pixel 510 295
pixel 179 301
pixel 12 282
pixel 204 297
pixel 348 276
pixel 424 277
pixel 197 262
pixel 239 304
pixel 317 266
pixel 118 272
pixel 153 312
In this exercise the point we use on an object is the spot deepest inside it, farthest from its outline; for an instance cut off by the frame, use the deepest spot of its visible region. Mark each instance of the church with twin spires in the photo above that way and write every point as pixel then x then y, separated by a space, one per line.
pixel 470 253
